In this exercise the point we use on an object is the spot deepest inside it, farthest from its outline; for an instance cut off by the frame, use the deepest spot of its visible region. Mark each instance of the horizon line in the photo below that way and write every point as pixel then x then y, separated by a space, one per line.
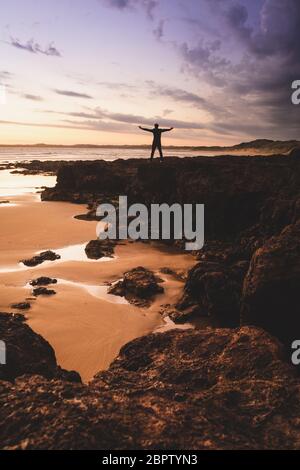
pixel 86 145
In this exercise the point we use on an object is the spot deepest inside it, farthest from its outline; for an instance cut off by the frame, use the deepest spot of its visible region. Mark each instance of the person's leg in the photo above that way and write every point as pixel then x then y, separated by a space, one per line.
pixel 153 151
pixel 160 152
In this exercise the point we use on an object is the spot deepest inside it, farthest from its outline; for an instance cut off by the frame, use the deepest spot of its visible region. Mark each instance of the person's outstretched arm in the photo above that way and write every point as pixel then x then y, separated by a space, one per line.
pixel 167 130
pixel 145 129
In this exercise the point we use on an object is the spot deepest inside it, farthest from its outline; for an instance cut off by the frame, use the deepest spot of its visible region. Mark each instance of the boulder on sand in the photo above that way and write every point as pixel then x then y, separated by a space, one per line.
pixel 27 352
pixel 97 249
pixel 138 286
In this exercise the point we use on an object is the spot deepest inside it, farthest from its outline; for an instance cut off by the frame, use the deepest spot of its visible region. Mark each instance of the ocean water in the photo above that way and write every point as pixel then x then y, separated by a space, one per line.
pixel 17 185
pixel 11 154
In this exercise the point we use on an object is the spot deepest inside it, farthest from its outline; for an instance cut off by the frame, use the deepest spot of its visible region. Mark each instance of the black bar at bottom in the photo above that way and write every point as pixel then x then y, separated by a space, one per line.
pixel 137 459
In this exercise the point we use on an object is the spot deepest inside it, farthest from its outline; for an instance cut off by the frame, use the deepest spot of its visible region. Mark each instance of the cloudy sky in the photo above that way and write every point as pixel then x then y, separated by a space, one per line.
pixel 90 71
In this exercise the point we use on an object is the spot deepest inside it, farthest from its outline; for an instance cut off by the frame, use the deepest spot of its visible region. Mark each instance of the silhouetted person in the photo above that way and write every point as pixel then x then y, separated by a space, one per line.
pixel 156 131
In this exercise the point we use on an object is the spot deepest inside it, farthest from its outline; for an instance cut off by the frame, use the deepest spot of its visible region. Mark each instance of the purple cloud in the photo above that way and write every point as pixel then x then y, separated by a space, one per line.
pixel 100 115
pixel 148 5
pixel 35 48
pixel 159 30
pixel 28 96
pixel 121 4
pixel 73 94
pixel 236 17
pixel 255 81
pixel 179 95
pixel 204 55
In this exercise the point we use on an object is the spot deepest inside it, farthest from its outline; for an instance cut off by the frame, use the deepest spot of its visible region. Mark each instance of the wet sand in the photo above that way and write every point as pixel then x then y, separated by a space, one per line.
pixel 85 326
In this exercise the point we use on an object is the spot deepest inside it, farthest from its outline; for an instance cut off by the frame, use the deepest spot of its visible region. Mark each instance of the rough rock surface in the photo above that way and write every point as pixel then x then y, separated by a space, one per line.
pixel 27 352
pixel 35 167
pixel 139 286
pixel 97 249
pixel 39 259
pixel 271 294
pixel 213 289
pixel 210 389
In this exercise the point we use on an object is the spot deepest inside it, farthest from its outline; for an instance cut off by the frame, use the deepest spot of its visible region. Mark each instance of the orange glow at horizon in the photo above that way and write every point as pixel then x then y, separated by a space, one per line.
pixel 26 135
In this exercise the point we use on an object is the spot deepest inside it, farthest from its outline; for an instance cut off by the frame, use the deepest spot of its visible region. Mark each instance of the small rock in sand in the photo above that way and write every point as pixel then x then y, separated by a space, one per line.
pixel 43 281
pixel 43 291
pixel 21 306
pixel 39 259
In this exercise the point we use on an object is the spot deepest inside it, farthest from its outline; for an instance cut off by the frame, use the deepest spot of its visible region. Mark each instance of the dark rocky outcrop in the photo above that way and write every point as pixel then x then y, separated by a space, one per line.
pixel 36 167
pixel 247 201
pixel 271 294
pixel 237 191
pixel 139 286
pixel 81 182
pixel 39 259
pixel 30 172
pixel 43 281
pixel 97 249
pixel 211 389
pixel 213 290
pixel 43 291
pixel 197 389
pixel 27 352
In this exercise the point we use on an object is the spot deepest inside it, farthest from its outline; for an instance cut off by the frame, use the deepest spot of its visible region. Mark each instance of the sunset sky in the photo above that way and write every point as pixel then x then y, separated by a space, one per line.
pixel 91 71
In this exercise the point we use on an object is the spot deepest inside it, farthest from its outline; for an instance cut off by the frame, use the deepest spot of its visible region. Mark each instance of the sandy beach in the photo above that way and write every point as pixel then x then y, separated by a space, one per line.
pixel 85 326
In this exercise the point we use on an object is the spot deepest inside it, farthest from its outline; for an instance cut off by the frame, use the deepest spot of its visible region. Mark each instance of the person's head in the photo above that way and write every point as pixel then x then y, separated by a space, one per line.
pixel 156 126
